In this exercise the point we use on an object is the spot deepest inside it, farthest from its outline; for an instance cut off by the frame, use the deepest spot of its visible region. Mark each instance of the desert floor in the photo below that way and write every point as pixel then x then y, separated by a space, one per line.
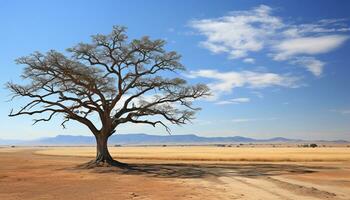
pixel 52 173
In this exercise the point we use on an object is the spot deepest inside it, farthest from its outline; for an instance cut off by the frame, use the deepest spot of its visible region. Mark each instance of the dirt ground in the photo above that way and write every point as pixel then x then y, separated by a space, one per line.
pixel 26 175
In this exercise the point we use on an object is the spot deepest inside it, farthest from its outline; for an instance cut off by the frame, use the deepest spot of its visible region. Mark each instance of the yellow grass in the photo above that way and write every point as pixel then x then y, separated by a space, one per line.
pixel 207 153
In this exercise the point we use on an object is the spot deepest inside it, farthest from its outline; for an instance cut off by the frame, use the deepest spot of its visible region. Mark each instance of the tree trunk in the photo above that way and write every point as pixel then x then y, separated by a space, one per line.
pixel 103 157
pixel 102 153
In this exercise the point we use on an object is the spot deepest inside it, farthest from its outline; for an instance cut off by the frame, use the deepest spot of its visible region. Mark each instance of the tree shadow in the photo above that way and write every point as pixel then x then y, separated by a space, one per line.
pixel 210 170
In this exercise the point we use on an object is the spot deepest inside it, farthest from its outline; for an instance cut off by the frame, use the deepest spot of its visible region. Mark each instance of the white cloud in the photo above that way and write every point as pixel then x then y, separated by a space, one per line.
pixel 322 26
pixel 240 120
pixel 238 33
pixel 249 60
pixel 311 64
pixel 242 32
pixel 225 82
pixel 308 46
pixel 234 101
pixel 201 122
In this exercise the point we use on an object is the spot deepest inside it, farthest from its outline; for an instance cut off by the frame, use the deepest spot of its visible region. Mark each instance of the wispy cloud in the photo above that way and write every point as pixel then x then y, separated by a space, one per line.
pixel 258 94
pixel 242 32
pixel 323 26
pixel 345 111
pixel 225 82
pixel 311 64
pixel 242 120
pixel 201 122
pixel 341 111
pixel 234 101
pixel 307 46
pixel 249 60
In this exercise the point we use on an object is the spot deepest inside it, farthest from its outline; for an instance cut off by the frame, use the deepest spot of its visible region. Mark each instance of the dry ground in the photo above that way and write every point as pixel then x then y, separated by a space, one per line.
pixel 211 153
pixel 27 174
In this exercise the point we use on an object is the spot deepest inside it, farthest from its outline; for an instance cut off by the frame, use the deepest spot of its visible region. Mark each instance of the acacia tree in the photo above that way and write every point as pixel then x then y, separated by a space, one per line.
pixel 112 79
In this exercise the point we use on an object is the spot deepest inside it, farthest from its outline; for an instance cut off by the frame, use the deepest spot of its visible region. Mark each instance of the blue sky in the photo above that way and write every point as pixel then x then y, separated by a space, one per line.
pixel 276 68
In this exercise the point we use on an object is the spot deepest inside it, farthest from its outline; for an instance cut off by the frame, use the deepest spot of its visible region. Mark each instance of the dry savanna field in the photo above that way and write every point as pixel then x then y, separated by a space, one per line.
pixel 177 172
pixel 211 153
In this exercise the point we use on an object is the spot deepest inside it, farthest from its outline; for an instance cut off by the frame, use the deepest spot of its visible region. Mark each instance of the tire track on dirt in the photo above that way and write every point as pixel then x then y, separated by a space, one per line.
pixel 303 190
pixel 249 190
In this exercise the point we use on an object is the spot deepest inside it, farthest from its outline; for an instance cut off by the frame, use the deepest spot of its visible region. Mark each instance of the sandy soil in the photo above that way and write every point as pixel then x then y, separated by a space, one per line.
pixel 26 175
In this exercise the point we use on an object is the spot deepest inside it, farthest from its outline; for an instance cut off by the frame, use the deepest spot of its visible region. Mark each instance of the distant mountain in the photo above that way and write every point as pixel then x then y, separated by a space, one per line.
pixel 10 142
pixel 65 139
pixel 142 139
pixel 282 139
pixel 145 139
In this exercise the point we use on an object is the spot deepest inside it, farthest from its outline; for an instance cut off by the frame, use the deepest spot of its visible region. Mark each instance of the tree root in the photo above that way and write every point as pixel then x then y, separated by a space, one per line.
pixel 103 163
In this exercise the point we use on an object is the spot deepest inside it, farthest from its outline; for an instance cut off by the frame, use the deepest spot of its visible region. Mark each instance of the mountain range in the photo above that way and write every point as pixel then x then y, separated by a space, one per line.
pixel 145 139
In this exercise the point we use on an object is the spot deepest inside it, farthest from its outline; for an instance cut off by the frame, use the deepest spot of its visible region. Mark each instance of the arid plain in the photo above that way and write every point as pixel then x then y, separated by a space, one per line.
pixel 200 172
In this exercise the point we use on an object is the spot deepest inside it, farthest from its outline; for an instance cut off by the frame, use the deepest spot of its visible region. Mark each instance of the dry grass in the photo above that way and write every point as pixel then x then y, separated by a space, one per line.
pixel 207 153
pixel 5 149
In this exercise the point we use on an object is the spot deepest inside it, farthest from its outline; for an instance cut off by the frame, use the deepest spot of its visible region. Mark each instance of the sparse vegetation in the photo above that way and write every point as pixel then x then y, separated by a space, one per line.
pixel 212 153
pixel 313 145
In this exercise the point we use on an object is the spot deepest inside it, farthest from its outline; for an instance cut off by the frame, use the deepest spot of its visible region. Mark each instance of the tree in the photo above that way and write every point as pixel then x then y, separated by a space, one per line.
pixel 112 79
pixel 313 145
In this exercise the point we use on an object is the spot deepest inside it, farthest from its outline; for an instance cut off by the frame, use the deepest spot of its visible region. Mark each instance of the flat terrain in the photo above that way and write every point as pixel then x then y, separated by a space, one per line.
pixel 211 153
pixel 177 173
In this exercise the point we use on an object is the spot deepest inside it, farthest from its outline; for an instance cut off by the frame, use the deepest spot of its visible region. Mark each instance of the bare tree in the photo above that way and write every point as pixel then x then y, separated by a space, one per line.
pixel 112 79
